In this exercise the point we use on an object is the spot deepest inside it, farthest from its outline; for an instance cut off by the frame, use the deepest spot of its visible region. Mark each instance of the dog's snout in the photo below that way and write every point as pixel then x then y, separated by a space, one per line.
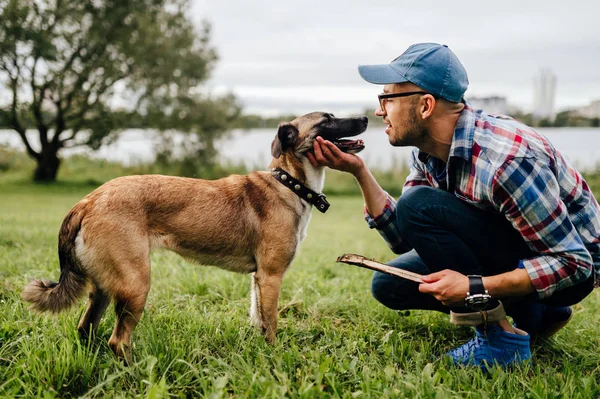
pixel 362 122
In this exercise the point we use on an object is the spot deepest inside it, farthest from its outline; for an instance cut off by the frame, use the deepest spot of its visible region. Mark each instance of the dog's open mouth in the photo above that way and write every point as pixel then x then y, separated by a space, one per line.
pixel 349 146
pixel 338 129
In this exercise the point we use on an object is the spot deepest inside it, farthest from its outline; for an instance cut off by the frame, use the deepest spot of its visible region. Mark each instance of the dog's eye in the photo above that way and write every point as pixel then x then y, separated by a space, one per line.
pixel 327 120
pixel 324 123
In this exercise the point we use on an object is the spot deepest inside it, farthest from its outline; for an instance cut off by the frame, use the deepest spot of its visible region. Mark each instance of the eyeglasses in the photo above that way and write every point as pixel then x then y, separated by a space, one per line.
pixel 383 96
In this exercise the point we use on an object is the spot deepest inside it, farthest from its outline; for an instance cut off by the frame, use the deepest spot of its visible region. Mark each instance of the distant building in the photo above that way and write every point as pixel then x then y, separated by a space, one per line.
pixel 544 93
pixel 491 105
pixel 590 111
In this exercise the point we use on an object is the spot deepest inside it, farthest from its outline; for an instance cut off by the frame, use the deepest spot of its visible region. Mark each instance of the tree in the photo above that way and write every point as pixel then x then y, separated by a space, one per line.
pixel 66 63
pixel 562 118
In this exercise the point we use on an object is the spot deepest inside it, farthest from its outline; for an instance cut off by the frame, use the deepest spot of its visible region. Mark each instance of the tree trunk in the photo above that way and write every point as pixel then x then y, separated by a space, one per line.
pixel 47 167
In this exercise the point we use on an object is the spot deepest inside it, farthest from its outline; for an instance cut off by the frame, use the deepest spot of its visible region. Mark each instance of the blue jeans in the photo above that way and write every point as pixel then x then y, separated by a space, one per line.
pixel 447 233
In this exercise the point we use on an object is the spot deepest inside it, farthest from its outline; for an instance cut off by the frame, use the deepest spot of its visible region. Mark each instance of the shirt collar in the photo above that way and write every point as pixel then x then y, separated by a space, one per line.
pixel 462 140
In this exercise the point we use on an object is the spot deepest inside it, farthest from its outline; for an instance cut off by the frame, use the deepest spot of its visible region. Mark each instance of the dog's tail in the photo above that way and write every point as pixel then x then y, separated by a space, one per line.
pixel 55 297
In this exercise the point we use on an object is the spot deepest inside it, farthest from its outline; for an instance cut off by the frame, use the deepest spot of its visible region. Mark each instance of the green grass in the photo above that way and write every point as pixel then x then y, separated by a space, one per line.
pixel 194 340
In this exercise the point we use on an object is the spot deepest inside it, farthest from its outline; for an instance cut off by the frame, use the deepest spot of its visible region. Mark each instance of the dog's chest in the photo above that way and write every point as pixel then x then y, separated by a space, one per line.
pixel 303 223
pixel 316 180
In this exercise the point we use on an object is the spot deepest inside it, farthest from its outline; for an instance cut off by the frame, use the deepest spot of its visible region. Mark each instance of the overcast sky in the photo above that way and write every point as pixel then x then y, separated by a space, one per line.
pixel 283 56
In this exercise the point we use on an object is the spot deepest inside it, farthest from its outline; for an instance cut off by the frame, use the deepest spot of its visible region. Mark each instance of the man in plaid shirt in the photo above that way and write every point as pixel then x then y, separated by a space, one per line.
pixel 490 211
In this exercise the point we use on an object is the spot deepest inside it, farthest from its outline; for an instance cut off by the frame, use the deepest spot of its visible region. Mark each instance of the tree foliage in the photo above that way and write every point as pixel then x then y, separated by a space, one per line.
pixel 69 64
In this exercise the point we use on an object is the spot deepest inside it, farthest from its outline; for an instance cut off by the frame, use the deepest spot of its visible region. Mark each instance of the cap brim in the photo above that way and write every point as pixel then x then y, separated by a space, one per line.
pixel 380 74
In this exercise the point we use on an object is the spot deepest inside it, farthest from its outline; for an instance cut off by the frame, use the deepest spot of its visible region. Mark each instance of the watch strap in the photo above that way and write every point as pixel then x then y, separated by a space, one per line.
pixel 476 284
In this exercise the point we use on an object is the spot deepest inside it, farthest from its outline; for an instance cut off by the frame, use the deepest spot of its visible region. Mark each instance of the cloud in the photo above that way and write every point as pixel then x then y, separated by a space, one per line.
pixel 308 45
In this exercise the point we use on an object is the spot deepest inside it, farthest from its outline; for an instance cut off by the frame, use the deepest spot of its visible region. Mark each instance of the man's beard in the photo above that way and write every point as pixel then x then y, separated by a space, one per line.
pixel 413 134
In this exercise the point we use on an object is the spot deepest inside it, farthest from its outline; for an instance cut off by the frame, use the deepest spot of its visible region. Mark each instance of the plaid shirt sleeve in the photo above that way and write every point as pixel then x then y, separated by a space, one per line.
pixel 385 221
pixel 527 192
pixel 417 175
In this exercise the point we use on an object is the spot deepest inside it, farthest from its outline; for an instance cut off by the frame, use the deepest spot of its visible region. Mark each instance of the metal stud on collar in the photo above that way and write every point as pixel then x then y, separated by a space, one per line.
pixel 305 193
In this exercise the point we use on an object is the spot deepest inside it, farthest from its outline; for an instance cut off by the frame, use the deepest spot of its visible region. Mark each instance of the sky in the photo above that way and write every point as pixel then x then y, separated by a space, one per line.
pixel 300 56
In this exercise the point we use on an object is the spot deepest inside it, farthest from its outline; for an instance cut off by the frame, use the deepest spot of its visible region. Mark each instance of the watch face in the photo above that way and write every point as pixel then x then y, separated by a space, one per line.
pixel 477 302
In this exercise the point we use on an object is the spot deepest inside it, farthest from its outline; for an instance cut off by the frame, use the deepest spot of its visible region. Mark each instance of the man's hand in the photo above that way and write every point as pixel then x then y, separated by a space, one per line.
pixel 447 286
pixel 327 154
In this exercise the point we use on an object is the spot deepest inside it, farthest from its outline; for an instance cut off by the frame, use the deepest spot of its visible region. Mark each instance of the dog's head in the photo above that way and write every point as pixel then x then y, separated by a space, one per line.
pixel 298 135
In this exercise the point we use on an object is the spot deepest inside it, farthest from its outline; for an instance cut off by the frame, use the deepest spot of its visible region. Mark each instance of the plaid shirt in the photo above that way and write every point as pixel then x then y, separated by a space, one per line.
pixel 501 165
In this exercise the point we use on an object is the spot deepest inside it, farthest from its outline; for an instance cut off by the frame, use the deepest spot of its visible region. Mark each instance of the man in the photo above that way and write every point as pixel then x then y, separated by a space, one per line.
pixel 490 210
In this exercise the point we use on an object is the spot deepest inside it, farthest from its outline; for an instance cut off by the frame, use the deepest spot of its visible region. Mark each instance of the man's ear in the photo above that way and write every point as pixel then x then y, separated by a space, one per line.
pixel 428 105
pixel 287 134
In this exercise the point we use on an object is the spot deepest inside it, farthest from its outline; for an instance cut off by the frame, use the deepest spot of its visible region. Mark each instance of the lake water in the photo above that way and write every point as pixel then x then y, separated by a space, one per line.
pixel 581 146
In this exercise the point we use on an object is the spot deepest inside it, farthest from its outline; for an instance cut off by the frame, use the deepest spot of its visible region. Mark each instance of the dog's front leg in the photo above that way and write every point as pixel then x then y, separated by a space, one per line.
pixel 255 299
pixel 265 298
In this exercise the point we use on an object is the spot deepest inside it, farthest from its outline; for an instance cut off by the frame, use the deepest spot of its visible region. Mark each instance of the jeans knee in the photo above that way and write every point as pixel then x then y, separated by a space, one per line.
pixel 408 205
pixel 412 197
pixel 420 196
pixel 389 291
pixel 412 206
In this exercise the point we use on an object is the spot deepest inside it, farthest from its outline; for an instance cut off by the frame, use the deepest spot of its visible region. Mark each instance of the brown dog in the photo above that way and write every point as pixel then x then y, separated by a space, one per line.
pixel 247 224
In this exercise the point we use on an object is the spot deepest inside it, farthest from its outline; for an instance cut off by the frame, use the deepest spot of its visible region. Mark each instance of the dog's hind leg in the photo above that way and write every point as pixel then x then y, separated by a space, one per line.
pixel 96 306
pixel 130 300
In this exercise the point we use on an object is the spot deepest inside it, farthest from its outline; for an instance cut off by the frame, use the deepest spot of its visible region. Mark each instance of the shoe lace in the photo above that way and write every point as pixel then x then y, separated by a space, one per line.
pixel 468 348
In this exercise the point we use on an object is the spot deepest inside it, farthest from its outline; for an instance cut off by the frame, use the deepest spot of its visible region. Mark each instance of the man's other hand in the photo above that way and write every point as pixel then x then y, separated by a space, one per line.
pixel 447 286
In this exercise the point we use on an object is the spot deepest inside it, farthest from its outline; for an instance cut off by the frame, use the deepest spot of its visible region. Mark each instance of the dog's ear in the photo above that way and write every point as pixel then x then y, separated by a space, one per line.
pixel 287 135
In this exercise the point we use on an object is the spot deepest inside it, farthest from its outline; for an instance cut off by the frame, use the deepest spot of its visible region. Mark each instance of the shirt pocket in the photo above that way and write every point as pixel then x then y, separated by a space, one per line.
pixel 462 197
pixel 475 202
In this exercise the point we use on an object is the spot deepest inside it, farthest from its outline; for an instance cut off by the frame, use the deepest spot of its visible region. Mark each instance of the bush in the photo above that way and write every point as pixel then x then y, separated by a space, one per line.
pixel 12 159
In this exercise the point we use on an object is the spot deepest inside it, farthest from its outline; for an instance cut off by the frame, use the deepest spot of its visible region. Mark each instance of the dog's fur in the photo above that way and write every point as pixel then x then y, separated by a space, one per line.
pixel 247 224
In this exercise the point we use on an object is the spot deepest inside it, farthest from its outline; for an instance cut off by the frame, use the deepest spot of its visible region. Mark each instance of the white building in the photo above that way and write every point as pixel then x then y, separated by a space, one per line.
pixel 544 93
pixel 590 111
pixel 491 104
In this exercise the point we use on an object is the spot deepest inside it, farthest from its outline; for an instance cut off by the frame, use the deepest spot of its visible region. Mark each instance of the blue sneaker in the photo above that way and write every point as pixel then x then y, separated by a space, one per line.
pixel 495 346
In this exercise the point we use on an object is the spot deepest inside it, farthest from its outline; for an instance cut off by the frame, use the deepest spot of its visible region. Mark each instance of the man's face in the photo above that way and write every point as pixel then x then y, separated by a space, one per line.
pixel 400 114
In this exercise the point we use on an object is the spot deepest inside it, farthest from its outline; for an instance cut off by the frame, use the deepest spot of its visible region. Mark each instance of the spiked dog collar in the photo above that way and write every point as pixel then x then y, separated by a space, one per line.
pixel 308 195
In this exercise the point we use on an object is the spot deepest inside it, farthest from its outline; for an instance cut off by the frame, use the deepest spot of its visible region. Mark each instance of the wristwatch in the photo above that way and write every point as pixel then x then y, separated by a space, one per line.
pixel 477 298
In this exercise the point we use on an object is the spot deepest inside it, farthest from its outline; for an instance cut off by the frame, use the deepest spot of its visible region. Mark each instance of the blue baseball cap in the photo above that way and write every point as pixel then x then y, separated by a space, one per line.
pixel 431 66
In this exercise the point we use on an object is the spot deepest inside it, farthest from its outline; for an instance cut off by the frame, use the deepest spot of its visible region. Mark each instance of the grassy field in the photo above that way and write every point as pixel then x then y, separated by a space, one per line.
pixel 194 340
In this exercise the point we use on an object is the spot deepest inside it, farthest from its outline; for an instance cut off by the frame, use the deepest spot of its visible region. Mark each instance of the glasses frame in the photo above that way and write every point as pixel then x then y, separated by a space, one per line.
pixel 385 96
